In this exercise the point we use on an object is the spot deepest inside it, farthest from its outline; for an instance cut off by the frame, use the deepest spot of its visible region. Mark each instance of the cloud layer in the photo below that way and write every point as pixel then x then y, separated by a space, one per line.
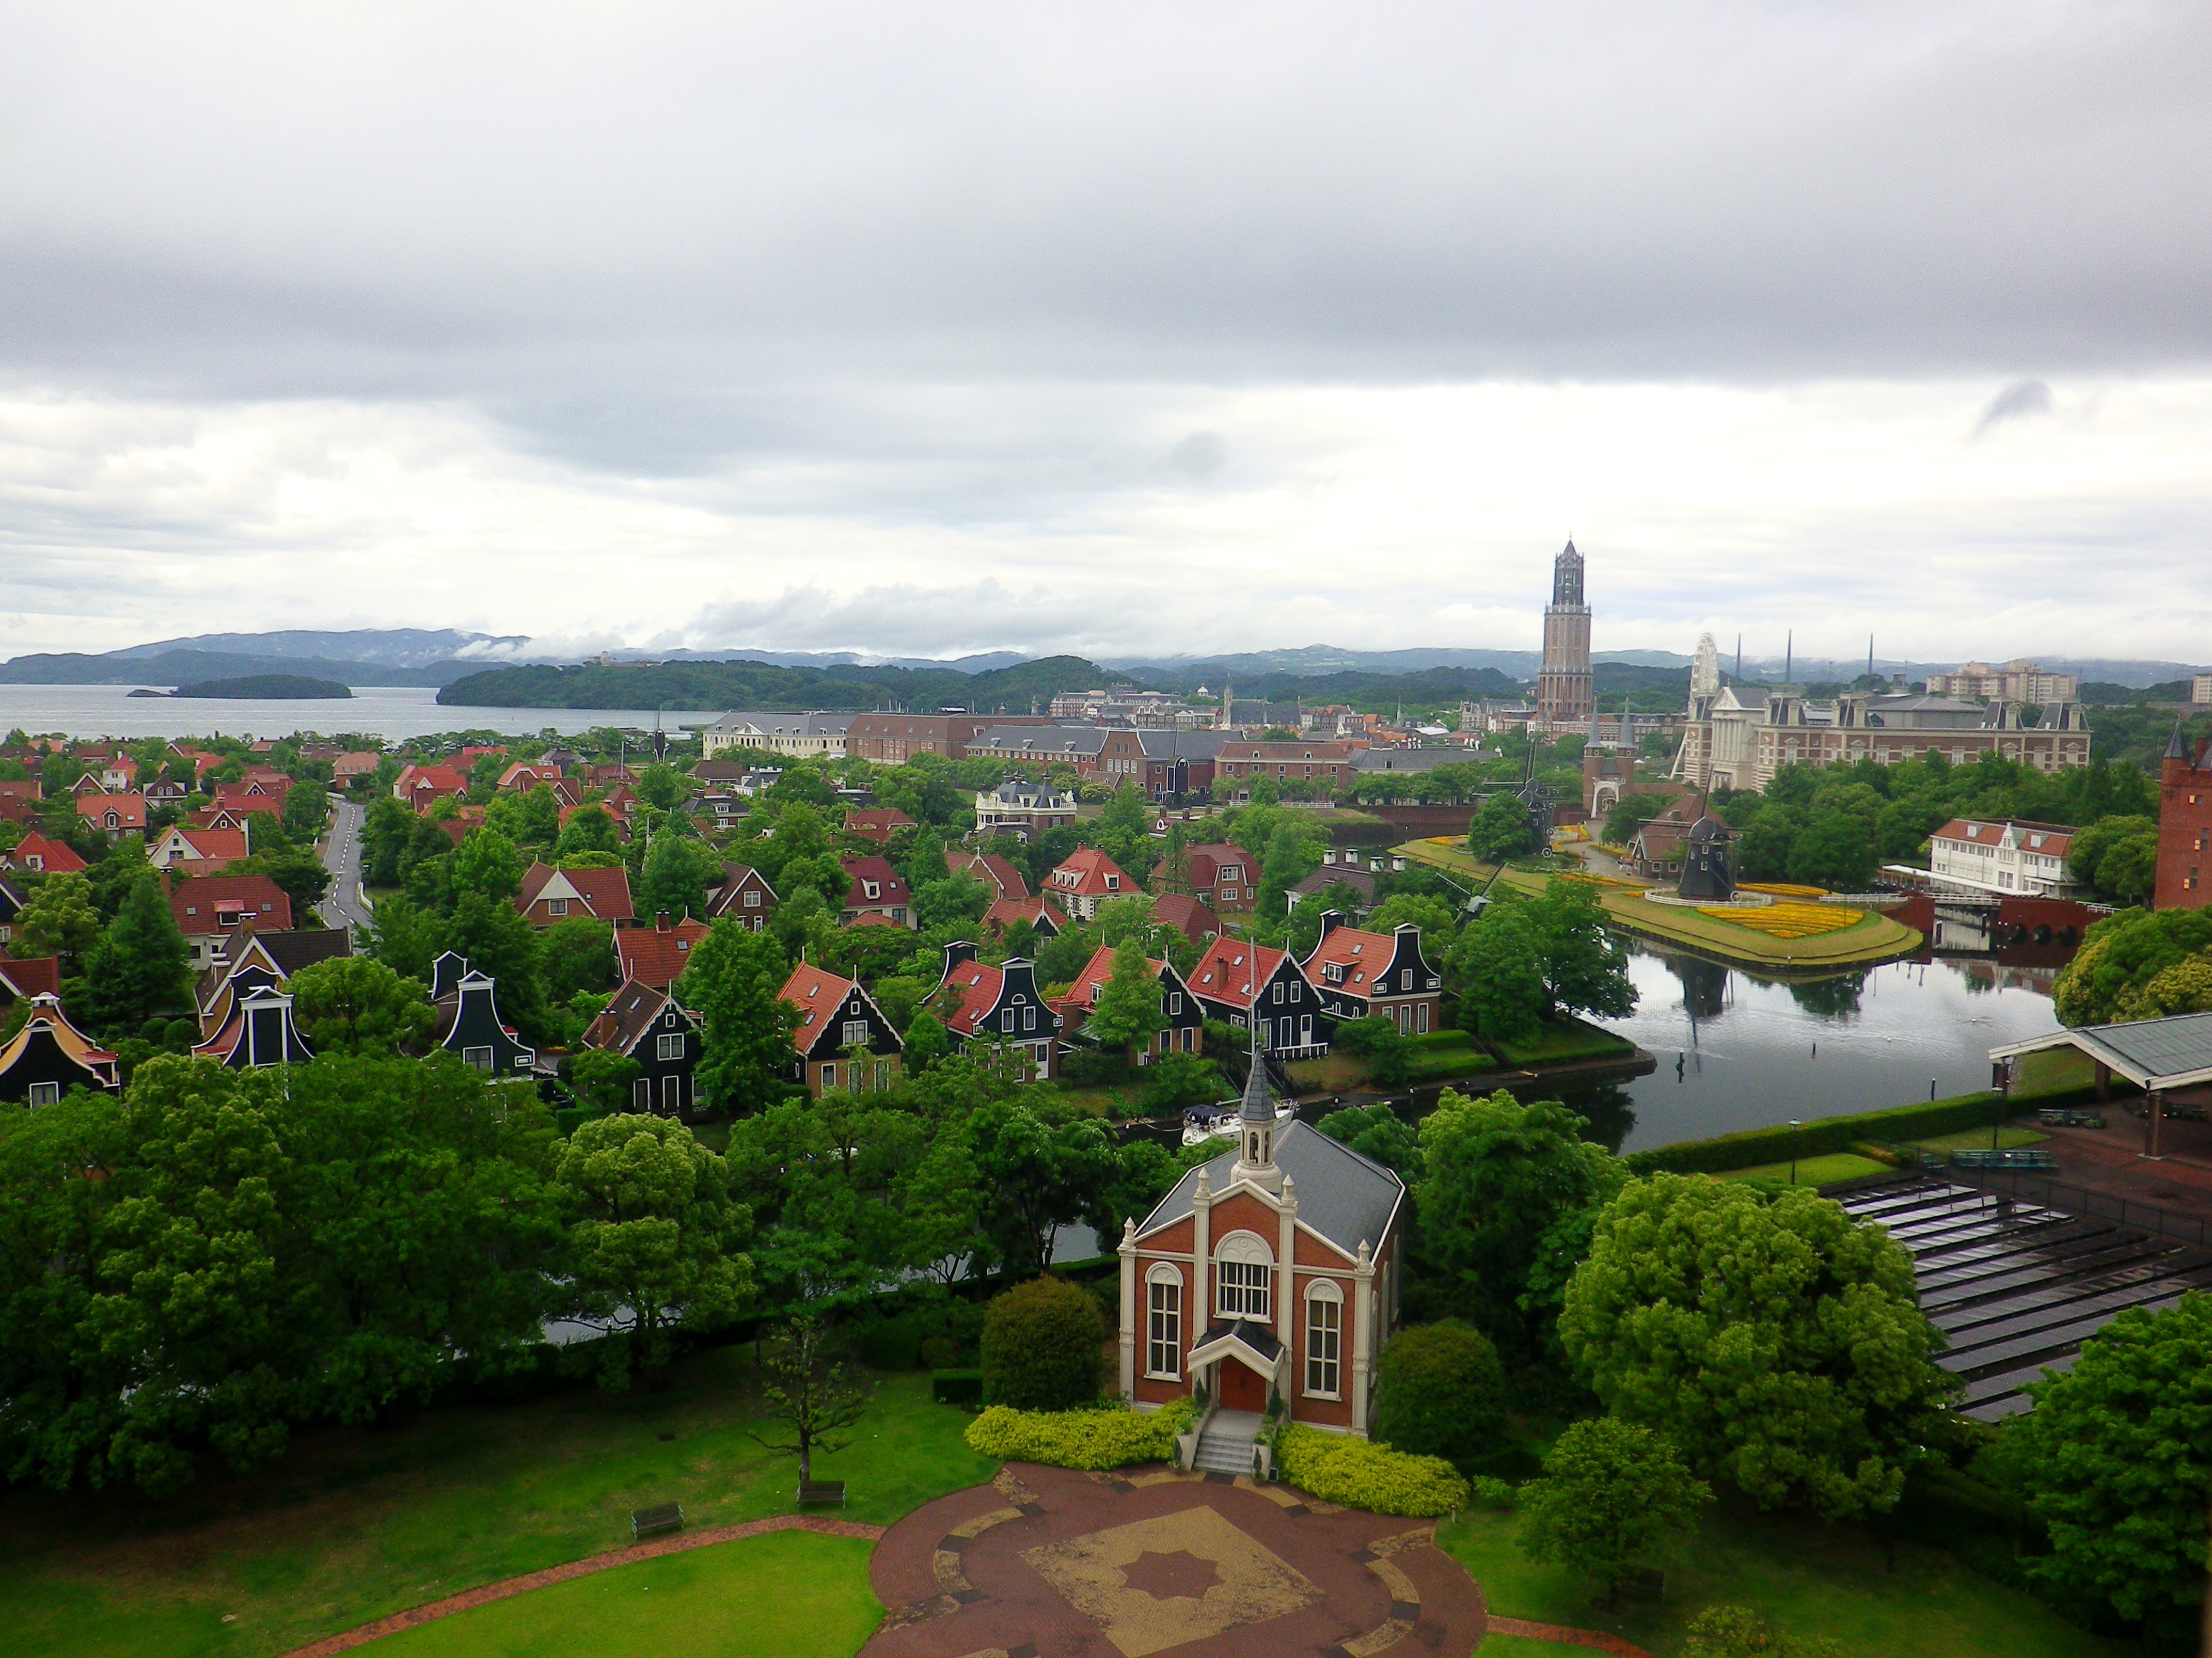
pixel 1179 327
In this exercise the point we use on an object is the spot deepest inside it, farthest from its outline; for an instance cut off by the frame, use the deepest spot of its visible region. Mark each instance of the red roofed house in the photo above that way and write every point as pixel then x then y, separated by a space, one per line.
pixel 527 775
pixel 37 853
pixel 875 885
pixel 993 870
pixel 1088 879
pixel 199 851
pixel 830 1018
pixel 745 895
pixel 423 787
pixel 657 955
pixel 1359 974
pixel 39 976
pixel 646 1025
pixel 22 788
pixel 551 896
pixel 209 909
pixel 1000 1005
pixel 348 769
pixel 1044 917
pixel 118 814
pixel 2001 856
pixel 119 774
pixel 877 823
pixel 1187 917
pixel 49 1056
pixel 1186 1018
pixel 1223 876
pixel 1246 983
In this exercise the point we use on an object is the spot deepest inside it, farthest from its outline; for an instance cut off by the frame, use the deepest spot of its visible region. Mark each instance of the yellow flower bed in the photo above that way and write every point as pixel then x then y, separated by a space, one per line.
pixel 1789 921
pixel 1448 840
pixel 1782 890
pixel 1598 880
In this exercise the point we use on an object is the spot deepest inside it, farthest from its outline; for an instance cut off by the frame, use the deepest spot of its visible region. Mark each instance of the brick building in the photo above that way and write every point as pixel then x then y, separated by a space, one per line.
pixel 2184 827
pixel 890 739
pixel 1326 766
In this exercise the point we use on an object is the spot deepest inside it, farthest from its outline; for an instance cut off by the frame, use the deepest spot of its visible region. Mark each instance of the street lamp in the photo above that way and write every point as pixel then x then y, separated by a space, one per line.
pixel 1793 1151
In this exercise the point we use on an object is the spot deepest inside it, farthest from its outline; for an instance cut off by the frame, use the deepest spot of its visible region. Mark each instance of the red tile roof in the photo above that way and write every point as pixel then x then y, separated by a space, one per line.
pixel 203 845
pixel 1361 955
pixel 993 870
pixel 890 886
pixel 604 892
pixel 129 811
pixel 657 955
pixel 203 904
pixel 813 995
pixel 1084 875
pixel 1007 911
pixel 39 976
pixel 1187 917
pixel 1233 971
pixel 969 991
pixel 55 857
pixel 874 918
pixel 877 823
pixel 1082 994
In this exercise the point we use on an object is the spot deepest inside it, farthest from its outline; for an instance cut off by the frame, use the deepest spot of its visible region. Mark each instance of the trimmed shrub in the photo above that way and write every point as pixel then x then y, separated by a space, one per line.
pixel 1441 1392
pixel 1042 1343
pixel 1757 1146
pixel 1111 1437
pixel 956 1387
pixel 1339 1468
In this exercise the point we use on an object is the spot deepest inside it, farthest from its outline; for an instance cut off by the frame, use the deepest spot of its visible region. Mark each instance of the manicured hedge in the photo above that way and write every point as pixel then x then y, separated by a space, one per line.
pixel 1756 1146
pixel 1109 1438
pixel 1360 1474
pixel 1441 1039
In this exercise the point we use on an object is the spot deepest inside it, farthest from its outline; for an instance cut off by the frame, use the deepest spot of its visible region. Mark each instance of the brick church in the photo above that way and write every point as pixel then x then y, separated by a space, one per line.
pixel 1272 1269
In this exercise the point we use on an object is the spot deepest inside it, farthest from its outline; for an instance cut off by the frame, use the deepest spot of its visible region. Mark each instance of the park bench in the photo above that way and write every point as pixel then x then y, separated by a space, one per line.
pixel 2031 1159
pixel 821 1491
pixel 2055 1119
pixel 656 1521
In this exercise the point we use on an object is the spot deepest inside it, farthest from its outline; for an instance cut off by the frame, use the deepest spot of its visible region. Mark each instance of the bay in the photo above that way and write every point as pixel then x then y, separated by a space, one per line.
pixel 392 713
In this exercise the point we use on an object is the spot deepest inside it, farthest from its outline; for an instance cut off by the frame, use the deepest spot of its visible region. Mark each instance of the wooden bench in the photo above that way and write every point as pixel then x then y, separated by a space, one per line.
pixel 821 1491
pixel 656 1521
pixel 2031 1159
pixel 2050 1119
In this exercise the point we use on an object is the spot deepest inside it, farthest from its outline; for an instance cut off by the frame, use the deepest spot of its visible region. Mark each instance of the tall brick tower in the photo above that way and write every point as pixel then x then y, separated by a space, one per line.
pixel 1563 687
pixel 2184 827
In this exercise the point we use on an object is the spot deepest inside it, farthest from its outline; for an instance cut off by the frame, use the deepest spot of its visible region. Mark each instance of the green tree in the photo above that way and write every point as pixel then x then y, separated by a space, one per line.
pixel 59 919
pixel 1585 964
pixel 1293 853
pixel 1042 1162
pixel 1128 1014
pixel 140 966
pixel 1379 1134
pixel 2116 1459
pixel 1777 1343
pixel 926 1042
pixel 676 877
pixel 1500 965
pixel 307 811
pixel 1499 1182
pixel 952 900
pixel 1834 850
pixel 2116 860
pixel 732 984
pixel 2135 965
pixel 487 864
pixel 356 1005
pixel 1441 1392
pixel 406 937
pixel 599 1081
pixel 1743 1632
pixel 1611 1491
pixel 655 1241
pixel 1501 829
pixel 580 955
pixel 590 828
pixel 663 787
pixel 500 942
pixel 805 1388
pixel 299 875
pixel 1042 1347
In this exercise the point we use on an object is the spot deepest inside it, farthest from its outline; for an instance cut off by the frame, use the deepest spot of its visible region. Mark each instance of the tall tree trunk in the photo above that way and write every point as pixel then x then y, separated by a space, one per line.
pixel 805 1457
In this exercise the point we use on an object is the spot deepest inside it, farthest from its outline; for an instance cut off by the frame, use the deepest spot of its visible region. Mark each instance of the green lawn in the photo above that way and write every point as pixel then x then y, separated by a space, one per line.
pixel 1812 1579
pixel 1563 1042
pixel 706 1601
pixel 2010 1138
pixel 1824 1170
pixel 354 1525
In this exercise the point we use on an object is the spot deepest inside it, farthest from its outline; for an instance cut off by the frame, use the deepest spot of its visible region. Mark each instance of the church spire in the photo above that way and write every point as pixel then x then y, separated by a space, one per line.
pixel 1255 1126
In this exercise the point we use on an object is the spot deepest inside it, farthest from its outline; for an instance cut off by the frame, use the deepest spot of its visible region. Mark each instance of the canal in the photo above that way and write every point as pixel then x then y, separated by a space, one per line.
pixel 1735 1051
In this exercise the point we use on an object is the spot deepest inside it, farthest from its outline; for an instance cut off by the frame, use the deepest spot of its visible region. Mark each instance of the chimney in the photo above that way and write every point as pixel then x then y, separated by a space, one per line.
pixel 660 922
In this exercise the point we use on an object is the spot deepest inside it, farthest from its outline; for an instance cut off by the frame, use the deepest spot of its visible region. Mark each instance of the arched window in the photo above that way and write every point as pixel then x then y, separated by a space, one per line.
pixel 1243 1275
pixel 1164 1322
pixel 1324 1338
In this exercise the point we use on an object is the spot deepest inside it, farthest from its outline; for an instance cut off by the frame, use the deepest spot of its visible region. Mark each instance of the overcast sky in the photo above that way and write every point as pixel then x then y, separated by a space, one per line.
pixel 929 329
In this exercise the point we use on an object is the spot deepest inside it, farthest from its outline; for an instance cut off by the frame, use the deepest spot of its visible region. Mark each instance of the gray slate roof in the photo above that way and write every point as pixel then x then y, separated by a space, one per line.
pixel 2150 1052
pixel 1341 1195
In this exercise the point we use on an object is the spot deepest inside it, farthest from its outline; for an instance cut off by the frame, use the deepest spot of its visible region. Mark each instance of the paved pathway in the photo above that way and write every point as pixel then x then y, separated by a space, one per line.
pixel 345 906
pixel 510 1587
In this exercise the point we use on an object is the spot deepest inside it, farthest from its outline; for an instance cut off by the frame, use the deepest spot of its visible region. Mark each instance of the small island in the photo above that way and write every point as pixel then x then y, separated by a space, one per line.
pixel 264 687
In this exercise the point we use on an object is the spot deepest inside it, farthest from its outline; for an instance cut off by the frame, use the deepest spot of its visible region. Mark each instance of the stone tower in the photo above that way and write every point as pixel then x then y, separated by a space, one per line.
pixel 1564 698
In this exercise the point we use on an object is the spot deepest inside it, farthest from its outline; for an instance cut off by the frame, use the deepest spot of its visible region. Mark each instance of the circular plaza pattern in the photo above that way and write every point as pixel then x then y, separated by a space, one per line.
pixel 1050 1563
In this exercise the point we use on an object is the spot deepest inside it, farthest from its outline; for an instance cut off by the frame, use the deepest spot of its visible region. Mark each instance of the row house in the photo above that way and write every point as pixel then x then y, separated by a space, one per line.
pixel 840 1037
pixel 657 955
pixel 999 1005
pixel 1247 984
pixel 647 1023
pixel 1034 746
pixel 210 908
pixel 1165 764
pixel 892 739
pixel 744 896
pixel 1088 879
pixel 1383 974
pixel 873 887
pixel 1185 1030
pixel 1243 760
pixel 1025 811
pixel 549 897
pixel 1270 1271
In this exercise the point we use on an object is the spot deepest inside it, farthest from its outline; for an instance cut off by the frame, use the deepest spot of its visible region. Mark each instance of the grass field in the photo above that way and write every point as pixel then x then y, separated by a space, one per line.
pixel 354 1525
pixel 1824 1170
pixel 1563 1042
pixel 1812 1579
pixel 708 1601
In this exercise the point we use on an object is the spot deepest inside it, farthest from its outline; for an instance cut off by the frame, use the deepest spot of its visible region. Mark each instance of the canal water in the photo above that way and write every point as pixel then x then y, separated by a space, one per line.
pixel 394 713
pixel 1737 1051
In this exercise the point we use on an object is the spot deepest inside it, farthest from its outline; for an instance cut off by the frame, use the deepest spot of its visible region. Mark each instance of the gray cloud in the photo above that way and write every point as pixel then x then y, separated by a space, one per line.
pixel 2020 400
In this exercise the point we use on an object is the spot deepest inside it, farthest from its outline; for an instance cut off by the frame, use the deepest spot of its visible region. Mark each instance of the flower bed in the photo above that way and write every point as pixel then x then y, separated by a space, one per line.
pixel 1360 1474
pixel 1781 888
pixel 1112 1437
pixel 1788 920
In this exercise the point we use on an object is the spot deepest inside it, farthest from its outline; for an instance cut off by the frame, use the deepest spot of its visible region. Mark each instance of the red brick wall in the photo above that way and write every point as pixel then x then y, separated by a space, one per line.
pixel 2184 836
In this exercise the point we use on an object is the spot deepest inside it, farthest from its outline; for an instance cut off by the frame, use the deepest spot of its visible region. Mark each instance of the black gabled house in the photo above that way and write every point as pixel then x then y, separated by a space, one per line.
pixel 257 1033
pixel 648 1025
pixel 469 1025
pixel 49 1056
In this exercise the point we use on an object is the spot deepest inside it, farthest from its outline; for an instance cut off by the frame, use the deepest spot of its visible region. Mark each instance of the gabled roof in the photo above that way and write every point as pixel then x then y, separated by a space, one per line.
pixel 259 1032
pixel 54 857
pixel 1040 913
pixel 1342 1197
pixel 2049 840
pixel 128 810
pixel 1084 875
pixel 1234 971
pixel 305 946
pixel 877 822
pixel 1205 861
pixel 814 995
pixel 968 992
pixel 39 976
pixel 890 886
pixel 47 1024
pixel 201 904
pixel 603 893
pixel 1081 995
pixel 208 844
pixel 2160 1054
pixel 1187 917
pixel 875 918
pixel 993 870
pixel 1361 955
pixel 657 955
pixel 630 1014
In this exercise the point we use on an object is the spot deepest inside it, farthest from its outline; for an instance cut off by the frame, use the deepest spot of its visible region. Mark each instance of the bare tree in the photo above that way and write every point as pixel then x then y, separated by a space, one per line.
pixel 810 1392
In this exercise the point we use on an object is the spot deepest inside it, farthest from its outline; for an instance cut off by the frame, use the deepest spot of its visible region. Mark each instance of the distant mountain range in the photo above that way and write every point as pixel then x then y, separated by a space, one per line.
pixel 439 657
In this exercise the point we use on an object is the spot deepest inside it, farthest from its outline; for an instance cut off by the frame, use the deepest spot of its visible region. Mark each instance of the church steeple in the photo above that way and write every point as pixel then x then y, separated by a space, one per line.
pixel 1255 1126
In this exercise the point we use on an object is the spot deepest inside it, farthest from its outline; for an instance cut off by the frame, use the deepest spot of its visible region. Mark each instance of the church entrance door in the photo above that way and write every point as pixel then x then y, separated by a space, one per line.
pixel 1242 1389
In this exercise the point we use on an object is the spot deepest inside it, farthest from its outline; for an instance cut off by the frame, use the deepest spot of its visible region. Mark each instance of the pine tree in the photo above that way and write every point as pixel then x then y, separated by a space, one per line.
pixel 138 968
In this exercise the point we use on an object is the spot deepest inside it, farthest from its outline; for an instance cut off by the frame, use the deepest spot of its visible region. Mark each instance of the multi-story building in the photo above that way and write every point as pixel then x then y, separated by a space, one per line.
pixel 803 736
pixel 1564 690
pixel 2001 856
pixel 1360 974
pixel 892 739
pixel 1728 742
pixel 1088 879
pixel 1121 706
pixel 1165 764
pixel 2184 827
pixel 2200 688
pixel 1024 811
pixel 2018 680
pixel 1321 765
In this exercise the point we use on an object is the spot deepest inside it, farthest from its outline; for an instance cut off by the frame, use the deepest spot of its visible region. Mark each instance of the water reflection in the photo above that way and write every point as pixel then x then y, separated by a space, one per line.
pixel 1737 1051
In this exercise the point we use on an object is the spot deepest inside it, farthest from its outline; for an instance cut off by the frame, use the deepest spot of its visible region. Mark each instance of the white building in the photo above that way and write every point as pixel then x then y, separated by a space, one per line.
pixel 2029 859
pixel 801 735
pixel 1740 742
pixel 2200 688
pixel 2018 680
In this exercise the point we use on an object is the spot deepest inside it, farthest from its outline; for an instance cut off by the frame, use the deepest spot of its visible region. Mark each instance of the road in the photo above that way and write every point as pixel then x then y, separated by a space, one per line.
pixel 341 857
